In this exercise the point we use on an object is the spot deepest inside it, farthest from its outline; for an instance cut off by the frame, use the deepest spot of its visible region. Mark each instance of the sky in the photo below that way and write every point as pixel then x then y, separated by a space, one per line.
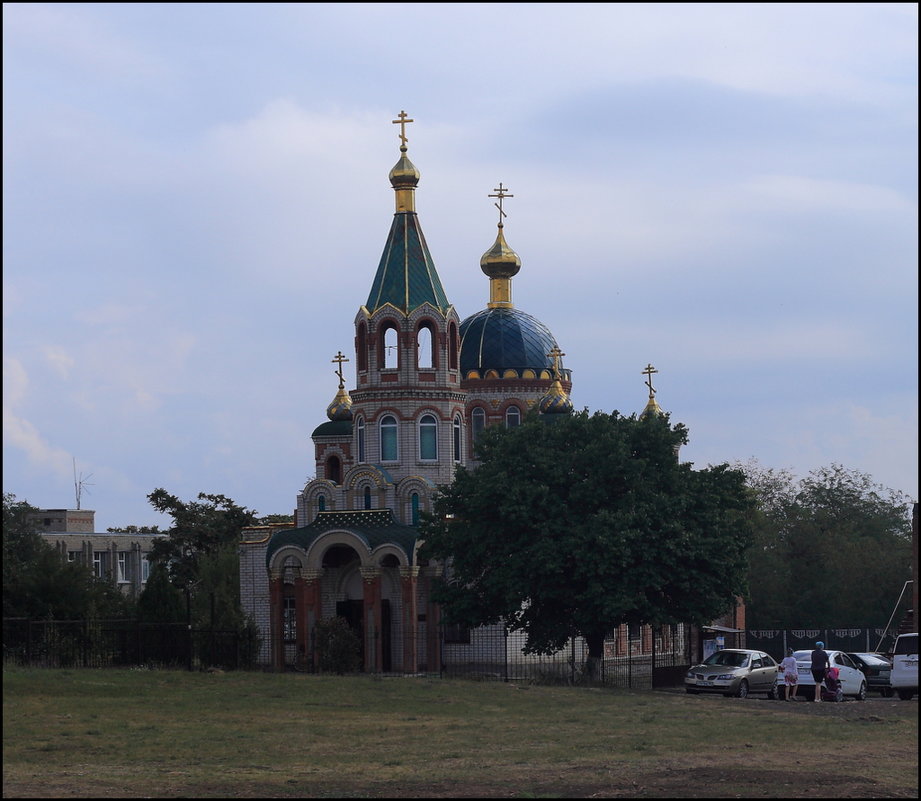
pixel 196 199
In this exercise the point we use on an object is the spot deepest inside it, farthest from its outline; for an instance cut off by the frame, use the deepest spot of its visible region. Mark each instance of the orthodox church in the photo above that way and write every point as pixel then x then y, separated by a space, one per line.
pixel 426 384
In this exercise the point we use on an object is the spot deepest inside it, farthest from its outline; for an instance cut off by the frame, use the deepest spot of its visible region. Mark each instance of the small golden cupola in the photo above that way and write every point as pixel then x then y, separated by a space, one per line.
pixel 404 177
pixel 652 406
pixel 500 262
pixel 341 407
pixel 556 401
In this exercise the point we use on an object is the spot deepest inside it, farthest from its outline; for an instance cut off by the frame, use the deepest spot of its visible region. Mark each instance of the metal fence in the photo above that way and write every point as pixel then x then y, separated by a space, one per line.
pixel 487 654
pixel 856 640
pixel 124 643
pixel 496 654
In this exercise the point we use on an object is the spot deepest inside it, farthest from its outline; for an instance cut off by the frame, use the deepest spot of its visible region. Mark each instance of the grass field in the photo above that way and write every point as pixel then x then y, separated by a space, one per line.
pixel 134 733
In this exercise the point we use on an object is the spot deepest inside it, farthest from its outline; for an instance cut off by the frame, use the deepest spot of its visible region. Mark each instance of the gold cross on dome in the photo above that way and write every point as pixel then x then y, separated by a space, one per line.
pixel 502 193
pixel 556 354
pixel 648 373
pixel 340 357
pixel 402 123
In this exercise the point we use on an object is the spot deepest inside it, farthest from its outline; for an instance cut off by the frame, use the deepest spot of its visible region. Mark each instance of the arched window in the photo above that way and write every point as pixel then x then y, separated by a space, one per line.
pixel 457 438
pixel 390 350
pixel 389 451
pixel 428 437
pixel 334 469
pixel 452 346
pixel 425 348
pixel 414 504
pixel 360 434
pixel 321 503
pixel 367 497
pixel 361 347
pixel 478 421
pixel 512 417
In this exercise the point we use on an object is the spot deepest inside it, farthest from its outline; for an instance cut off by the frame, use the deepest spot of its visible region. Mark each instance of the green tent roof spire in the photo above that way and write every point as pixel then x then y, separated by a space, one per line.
pixel 406 276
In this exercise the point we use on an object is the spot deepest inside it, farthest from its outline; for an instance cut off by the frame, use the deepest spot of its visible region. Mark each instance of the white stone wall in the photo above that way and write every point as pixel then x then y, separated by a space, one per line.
pixel 254 592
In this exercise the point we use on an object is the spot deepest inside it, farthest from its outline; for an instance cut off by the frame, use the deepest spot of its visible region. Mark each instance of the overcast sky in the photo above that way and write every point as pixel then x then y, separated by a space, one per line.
pixel 195 200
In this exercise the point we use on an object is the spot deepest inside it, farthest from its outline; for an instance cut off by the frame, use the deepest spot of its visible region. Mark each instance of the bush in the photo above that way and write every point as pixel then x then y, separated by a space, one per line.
pixel 339 646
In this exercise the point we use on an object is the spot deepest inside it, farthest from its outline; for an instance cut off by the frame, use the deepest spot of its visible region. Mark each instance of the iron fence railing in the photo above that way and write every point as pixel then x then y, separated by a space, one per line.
pixel 658 658
pixel 124 643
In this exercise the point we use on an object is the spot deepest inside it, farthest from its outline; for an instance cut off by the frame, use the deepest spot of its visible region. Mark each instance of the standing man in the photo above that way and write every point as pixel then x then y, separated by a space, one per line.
pixel 820 664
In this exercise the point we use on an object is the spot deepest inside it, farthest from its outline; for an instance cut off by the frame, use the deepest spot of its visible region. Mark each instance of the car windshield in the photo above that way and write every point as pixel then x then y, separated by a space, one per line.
pixel 728 659
pixel 907 644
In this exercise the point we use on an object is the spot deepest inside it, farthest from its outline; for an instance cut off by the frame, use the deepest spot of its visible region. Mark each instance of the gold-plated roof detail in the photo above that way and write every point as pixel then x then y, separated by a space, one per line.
pixel 652 406
pixel 404 176
pixel 341 407
pixel 500 262
pixel 556 400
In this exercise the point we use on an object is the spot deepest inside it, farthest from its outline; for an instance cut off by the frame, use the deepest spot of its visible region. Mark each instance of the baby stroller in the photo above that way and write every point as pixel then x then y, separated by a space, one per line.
pixel 831 687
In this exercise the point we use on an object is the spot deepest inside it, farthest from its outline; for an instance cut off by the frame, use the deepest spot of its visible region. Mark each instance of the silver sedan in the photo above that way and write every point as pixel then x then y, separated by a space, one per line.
pixel 734 671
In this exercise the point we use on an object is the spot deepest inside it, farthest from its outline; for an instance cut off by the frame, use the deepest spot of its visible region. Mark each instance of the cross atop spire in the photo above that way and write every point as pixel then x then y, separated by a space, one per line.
pixel 402 123
pixel 501 193
pixel 340 357
pixel 648 373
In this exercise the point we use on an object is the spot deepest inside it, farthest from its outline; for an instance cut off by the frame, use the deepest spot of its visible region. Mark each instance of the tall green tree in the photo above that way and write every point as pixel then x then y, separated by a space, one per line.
pixel 831 550
pixel 39 583
pixel 574 526
pixel 199 552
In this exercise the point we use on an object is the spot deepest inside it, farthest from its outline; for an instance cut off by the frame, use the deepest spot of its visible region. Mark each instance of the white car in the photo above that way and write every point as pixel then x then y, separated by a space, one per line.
pixel 904 675
pixel 853 682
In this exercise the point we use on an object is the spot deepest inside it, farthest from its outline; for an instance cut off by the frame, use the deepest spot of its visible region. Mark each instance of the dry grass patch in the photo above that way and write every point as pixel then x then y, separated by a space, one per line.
pixel 156 734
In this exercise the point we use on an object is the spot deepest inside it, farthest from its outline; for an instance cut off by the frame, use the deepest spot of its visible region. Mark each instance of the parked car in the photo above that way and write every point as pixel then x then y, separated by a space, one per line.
pixel 904 676
pixel 876 668
pixel 734 672
pixel 853 682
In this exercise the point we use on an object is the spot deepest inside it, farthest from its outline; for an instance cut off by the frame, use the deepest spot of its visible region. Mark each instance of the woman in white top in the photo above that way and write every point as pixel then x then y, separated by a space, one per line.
pixel 790 677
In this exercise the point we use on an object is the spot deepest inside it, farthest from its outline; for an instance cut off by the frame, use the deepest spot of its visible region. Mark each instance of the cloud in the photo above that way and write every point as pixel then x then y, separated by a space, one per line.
pixel 59 360
pixel 19 432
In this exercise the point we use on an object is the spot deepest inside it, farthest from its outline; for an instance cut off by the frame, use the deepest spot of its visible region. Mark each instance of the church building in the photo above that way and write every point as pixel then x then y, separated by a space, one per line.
pixel 426 382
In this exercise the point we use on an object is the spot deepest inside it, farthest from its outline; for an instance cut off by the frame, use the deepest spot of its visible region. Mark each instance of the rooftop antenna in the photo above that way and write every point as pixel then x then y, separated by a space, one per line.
pixel 81 484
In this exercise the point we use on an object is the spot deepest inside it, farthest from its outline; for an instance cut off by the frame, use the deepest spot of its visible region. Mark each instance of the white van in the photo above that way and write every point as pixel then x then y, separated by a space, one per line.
pixel 904 676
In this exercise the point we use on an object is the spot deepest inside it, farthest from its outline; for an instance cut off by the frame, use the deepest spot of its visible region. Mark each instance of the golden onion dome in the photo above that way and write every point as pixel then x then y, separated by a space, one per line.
pixel 341 407
pixel 556 401
pixel 500 261
pixel 404 172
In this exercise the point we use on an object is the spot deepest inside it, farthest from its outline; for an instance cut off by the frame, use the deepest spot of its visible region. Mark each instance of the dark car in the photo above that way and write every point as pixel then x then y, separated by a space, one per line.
pixel 877 669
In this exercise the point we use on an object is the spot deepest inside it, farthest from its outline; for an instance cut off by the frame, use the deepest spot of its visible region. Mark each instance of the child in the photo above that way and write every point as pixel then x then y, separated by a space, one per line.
pixel 790 677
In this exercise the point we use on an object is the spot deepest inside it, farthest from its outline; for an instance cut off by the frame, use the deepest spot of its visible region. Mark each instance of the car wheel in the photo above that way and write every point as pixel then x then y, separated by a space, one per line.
pixel 862 692
pixel 906 695
pixel 742 692
pixel 772 693
pixel 886 692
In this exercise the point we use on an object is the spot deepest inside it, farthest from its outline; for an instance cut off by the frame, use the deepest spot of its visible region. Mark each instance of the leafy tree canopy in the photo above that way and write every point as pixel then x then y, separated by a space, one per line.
pixel 38 583
pixel 830 550
pixel 577 525
pixel 199 552
pixel 134 530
